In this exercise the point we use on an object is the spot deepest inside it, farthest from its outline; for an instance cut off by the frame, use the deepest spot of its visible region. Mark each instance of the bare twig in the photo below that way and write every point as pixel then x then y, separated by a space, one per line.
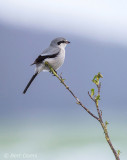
pixel 91 97
pixel 104 126
pixel 99 87
pixel 98 84
pixel 62 81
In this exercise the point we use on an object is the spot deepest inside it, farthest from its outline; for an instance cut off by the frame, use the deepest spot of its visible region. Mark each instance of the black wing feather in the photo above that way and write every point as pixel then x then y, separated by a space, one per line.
pixel 41 58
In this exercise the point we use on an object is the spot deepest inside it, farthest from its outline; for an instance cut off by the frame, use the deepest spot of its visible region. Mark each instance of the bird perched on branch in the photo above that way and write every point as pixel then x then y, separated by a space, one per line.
pixel 54 55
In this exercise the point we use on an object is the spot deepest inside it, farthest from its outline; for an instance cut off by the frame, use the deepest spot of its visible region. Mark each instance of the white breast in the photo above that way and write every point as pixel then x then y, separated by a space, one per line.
pixel 58 61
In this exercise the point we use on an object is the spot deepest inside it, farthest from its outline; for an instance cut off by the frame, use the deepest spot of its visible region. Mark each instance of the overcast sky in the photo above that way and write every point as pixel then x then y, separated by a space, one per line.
pixel 102 20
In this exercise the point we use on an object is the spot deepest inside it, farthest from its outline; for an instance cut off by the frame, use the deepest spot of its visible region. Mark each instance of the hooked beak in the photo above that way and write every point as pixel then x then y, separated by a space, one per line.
pixel 67 42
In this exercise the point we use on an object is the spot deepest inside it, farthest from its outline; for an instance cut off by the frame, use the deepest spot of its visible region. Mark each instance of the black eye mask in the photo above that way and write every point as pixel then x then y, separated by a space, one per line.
pixel 60 42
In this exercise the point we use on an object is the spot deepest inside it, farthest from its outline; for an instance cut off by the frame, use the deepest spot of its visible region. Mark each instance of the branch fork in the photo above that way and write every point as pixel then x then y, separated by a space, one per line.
pixel 95 99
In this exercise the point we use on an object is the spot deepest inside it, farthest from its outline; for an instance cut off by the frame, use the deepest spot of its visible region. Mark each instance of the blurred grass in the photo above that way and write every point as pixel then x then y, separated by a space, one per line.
pixel 49 141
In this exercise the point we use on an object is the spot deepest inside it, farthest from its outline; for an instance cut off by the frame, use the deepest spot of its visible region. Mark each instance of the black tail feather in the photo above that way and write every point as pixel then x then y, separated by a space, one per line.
pixel 33 77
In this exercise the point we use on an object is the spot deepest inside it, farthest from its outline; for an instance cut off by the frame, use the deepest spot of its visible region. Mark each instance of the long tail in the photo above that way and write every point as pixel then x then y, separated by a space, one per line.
pixel 33 77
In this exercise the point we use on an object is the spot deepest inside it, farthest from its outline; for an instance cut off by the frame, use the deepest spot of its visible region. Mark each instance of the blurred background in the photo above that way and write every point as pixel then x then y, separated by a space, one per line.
pixel 46 123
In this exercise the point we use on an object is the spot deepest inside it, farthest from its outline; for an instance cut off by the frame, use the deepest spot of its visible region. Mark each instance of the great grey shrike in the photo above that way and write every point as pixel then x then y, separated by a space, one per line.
pixel 54 55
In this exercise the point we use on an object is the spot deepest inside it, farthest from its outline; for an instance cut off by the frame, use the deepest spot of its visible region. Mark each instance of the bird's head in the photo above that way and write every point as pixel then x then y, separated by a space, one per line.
pixel 59 42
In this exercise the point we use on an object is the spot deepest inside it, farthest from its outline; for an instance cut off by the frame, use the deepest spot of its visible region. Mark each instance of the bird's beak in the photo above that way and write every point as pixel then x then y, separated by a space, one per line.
pixel 67 42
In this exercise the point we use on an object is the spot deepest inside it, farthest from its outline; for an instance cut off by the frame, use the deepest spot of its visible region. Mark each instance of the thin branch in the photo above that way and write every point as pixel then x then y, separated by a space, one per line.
pixel 104 127
pixel 91 97
pixel 62 81
pixel 99 88
pixel 98 84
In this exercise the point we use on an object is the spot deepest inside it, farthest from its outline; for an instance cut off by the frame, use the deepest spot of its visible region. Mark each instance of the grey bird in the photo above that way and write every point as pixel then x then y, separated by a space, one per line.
pixel 54 55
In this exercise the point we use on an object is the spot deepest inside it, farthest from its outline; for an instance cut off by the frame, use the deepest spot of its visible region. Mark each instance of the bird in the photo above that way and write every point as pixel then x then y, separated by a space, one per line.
pixel 54 55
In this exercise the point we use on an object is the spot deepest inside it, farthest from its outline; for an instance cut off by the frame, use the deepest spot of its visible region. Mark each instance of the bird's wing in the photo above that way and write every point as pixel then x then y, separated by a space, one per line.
pixel 47 53
pixel 50 50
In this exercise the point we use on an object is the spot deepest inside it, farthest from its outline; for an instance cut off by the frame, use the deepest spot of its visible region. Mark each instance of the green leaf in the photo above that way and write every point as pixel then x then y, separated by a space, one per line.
pixel 96 78
pixel 78 102
pixel 97 98
pixel 92 92
pixel 118 152
pixel 99 75
pixel 106 123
